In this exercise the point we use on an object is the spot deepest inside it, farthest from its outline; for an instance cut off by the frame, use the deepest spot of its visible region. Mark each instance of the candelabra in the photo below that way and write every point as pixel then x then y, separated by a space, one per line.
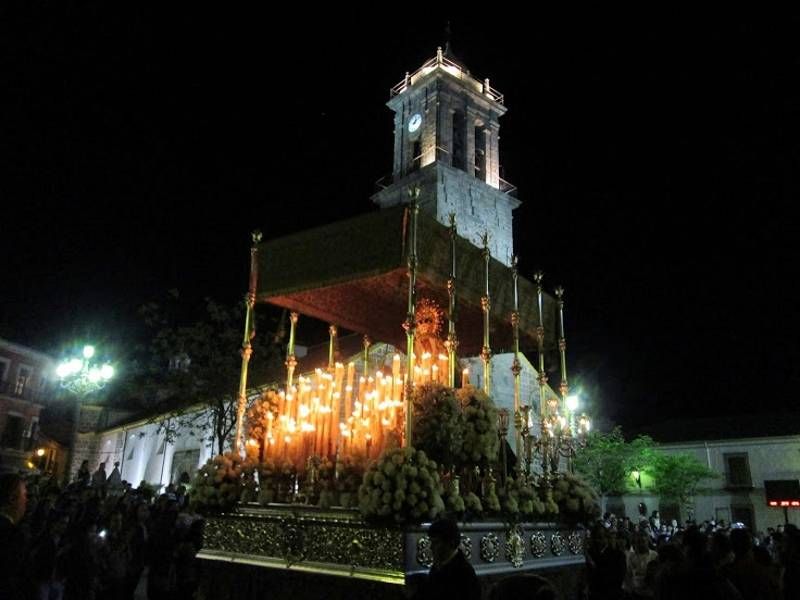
pixel 558 440
pixel 559 437
pixel 527 441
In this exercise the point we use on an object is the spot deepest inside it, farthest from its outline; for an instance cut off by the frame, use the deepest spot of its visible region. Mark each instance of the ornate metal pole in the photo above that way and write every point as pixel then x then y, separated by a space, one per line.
pixel 410 324
pixel 452 341
pixel 564 386
pixel 486 351
pixel 516 369
pixel 332 331
pixel 562 349
pixel 291 359
pixel 249 333
pixel 544 439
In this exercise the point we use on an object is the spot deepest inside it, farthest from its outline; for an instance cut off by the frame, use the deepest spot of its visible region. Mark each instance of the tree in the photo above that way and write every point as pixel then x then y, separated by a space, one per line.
pixel 608 460
pixel 677 477
pixel 190 371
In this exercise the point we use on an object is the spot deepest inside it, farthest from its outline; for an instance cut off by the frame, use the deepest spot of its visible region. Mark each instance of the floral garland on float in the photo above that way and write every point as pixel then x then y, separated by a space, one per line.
pixel 453 468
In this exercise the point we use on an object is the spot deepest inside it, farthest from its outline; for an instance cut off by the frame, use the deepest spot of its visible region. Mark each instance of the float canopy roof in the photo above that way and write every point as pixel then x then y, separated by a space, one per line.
pixel 353 274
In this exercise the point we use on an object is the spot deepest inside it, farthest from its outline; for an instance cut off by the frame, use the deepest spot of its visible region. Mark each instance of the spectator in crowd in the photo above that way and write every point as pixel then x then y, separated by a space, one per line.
pixel 83 477
pixel 451 575
pixel 637 560
pixel 114 481
pixel 13 545
pixel 606 566
pixel 99 477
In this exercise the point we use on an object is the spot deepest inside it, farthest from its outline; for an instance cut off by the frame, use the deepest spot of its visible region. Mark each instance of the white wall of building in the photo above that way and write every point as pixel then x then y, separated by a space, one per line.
pixel 145 455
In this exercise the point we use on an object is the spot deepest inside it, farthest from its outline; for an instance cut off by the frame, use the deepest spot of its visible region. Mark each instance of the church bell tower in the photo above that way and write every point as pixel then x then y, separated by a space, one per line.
pixel 446 134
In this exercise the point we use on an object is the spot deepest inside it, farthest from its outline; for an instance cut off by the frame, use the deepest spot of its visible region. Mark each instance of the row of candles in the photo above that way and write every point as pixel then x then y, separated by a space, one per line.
pixel 338 411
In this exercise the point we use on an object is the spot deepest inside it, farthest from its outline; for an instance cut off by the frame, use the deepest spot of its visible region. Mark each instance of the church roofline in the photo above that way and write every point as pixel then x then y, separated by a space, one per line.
pixel 452 68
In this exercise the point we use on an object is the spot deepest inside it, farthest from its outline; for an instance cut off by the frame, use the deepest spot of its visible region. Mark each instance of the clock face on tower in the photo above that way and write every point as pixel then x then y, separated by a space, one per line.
pixel 414 122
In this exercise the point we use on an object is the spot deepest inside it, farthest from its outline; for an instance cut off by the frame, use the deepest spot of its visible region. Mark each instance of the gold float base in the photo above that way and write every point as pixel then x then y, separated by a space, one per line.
pixel 337 542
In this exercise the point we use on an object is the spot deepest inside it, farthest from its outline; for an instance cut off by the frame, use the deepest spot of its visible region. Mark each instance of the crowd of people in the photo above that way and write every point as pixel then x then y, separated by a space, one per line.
pixel 97 538
pixel 710 560
pixel 640 560
pixel 101 538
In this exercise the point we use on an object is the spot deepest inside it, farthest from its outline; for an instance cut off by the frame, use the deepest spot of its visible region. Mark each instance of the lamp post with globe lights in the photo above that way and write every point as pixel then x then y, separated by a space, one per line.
pixel 81 377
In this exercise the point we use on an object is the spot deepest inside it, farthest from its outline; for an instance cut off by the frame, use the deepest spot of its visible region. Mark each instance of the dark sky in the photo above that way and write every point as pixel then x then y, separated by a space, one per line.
pixel 656 157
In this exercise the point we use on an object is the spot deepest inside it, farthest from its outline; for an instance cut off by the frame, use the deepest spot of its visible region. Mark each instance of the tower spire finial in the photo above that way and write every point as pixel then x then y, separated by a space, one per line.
pixel 447 35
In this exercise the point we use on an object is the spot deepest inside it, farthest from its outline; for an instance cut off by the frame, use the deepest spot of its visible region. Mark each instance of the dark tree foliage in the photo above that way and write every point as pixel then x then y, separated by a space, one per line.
pixel 187 372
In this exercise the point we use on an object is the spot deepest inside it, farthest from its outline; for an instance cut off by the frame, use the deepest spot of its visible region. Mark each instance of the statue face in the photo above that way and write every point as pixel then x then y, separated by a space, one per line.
pixel 428 317
pixel 426 325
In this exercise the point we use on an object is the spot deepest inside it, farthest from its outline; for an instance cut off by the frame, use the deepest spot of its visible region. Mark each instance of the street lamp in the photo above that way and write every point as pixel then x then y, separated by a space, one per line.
pixel 81 377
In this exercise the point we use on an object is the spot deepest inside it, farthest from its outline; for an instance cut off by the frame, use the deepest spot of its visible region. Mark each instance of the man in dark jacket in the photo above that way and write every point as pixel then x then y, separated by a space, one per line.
pixel 451 575
pixel 13 502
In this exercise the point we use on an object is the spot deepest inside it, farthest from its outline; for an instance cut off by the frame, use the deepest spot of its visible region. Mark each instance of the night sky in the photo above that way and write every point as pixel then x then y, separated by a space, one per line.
pixel 657 159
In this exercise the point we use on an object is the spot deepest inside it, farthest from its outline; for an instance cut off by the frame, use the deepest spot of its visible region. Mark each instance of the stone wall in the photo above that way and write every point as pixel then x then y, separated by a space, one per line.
pixel 479 208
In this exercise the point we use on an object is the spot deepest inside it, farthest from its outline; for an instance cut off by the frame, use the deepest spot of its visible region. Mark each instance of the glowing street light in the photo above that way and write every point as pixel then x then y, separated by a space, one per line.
pixel 81 377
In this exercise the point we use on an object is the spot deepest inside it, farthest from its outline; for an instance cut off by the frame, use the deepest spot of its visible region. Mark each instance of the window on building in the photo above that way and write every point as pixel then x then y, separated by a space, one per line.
pixel 23 375
pixel 737 470
pixel 32 434
pixel 3 369
pixel 180 362
pixel 12 434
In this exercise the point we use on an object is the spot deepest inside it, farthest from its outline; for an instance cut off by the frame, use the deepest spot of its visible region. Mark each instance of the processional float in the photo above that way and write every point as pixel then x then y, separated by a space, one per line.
pixel 384 275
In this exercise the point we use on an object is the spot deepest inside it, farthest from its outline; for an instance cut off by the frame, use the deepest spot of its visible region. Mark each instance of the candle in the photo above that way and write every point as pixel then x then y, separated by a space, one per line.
pixel 337 388
pixel 351 367
pixel 251 449
pixel 281 402
pixel 395 366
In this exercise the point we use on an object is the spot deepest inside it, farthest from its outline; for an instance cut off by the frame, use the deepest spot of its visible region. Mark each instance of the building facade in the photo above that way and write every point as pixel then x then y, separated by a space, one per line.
pixel 26 386
pixel 738 494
